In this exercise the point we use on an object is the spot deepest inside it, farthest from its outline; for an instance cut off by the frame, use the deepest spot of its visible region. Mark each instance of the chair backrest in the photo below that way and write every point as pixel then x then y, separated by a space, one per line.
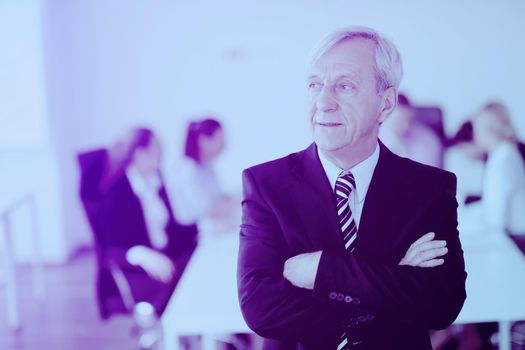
pixel 431 117
pixel 110 299
pixel 91 170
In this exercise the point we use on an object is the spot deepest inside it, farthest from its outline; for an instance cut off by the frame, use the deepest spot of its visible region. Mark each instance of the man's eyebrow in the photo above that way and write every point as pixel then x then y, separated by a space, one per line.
pixel 347 76
pixel 339 77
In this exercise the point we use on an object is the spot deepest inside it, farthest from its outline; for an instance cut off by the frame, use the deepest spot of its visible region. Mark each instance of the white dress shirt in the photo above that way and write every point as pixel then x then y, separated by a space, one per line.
pixel 155 212
pixel 193 190
pixel 362 174
pixel 503 196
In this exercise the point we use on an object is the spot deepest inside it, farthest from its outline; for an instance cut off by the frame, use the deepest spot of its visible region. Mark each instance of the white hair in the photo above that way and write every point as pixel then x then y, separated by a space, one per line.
pixel 388 65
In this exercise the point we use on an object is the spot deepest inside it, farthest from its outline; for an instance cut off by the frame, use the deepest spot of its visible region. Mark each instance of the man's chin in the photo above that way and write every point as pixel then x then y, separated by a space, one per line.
pixel 327 146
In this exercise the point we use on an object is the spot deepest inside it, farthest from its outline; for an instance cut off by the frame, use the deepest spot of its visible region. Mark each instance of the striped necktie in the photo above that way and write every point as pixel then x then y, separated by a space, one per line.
pixel 344 185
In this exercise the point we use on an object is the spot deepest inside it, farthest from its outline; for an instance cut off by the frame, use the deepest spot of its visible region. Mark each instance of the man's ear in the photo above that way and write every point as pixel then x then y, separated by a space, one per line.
pixel 389 102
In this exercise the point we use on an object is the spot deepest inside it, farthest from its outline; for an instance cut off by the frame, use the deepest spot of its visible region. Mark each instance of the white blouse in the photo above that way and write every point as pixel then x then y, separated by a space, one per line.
pixel 193 190
pixel 504 189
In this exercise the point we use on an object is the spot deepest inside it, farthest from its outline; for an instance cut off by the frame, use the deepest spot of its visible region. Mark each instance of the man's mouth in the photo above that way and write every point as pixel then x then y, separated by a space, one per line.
pixel 329 124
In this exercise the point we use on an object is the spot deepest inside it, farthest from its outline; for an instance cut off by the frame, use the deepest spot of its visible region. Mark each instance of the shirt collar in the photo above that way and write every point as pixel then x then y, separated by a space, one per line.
pixel 141 185
pixel 362 172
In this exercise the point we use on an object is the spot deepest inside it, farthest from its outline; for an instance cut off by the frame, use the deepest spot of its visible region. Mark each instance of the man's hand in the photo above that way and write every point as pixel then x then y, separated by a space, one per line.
pixel 301 269
pixel 424 251
pixel 157 265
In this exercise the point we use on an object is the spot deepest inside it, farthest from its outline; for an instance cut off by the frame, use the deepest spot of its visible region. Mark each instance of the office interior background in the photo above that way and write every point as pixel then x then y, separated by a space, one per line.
pixel 75 75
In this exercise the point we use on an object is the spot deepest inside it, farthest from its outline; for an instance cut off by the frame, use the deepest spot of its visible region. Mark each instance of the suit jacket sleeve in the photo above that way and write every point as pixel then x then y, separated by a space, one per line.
pixel 271 306
pixel 429 296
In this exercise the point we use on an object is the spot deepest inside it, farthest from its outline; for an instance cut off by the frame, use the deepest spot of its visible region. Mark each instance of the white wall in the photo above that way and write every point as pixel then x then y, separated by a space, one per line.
pixel 28 164
pixel 111 65
pixel 23 116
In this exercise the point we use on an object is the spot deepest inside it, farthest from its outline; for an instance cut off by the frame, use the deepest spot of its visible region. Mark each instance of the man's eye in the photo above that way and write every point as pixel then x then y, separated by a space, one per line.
pixel 346 87
pixel 314 85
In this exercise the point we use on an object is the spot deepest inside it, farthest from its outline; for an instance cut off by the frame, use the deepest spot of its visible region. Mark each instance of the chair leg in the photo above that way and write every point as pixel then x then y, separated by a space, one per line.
pixel 13 319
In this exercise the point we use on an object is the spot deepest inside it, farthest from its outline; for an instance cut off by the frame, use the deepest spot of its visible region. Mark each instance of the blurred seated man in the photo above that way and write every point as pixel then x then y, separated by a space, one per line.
pixel 406 137
pixel 503 195
pixel 141 234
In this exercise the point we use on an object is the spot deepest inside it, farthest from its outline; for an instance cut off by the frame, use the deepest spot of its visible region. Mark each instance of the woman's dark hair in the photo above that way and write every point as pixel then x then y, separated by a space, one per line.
pixel 136 139
pixel 196 129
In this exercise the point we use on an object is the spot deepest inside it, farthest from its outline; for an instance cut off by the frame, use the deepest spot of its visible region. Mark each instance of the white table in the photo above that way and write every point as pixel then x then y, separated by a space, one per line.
pixel 205 301
pixel 495 282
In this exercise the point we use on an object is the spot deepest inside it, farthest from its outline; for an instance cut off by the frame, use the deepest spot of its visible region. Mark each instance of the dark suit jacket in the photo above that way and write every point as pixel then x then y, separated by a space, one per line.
pixel 289 209
pixel 117 219
pixel 127 225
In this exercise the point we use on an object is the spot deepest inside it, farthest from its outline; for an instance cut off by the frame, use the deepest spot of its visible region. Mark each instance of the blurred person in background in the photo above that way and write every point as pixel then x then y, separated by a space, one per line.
pixel 503 193
pixel 199 198
pixel 407 137
pixel 464 158
pixel 489 162
pixel 194 184
pixel 142 235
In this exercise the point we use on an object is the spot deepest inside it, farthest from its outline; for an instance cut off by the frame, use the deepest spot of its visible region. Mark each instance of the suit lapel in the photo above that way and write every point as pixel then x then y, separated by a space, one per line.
pixel 387 201
pixel 314 201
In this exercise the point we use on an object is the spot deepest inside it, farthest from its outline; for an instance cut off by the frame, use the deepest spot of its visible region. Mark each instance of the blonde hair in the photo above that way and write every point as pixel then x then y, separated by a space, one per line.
pixel 500 122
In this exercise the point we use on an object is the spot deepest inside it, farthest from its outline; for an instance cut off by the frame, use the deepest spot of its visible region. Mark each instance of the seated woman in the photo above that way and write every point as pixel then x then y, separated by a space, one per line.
pixel 465 159
pixel 137 231
pixel 503 194
pixel 487 152
pixel 195 187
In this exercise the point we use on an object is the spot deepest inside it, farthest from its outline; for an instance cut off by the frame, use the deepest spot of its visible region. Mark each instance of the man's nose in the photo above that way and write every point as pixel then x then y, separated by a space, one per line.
pixel 325 100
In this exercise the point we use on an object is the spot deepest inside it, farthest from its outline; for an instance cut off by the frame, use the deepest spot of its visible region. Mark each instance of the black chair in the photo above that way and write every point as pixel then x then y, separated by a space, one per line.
pixel 113 290
pixel 431 117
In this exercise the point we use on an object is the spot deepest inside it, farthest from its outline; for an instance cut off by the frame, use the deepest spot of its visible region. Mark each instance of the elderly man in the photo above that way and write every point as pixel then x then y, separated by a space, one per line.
pixel 345 245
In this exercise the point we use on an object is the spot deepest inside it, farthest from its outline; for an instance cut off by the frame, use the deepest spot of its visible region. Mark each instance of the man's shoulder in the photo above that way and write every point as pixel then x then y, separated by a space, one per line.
pixel 424 174
pixel 275 168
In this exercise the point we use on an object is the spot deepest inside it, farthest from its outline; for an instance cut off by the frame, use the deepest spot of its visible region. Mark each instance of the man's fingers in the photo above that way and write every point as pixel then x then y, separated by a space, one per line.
pixel 432 263
pixel 413 251
pixel 161 270
pixel 164 273
pixel 168 271
pixel 154 275
pixel 425 238
pixel 430 245
pixel 430 254
pixel 424 252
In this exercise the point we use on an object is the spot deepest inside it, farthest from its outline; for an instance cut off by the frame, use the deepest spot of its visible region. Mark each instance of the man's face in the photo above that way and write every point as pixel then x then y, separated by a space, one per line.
pixel 345 105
